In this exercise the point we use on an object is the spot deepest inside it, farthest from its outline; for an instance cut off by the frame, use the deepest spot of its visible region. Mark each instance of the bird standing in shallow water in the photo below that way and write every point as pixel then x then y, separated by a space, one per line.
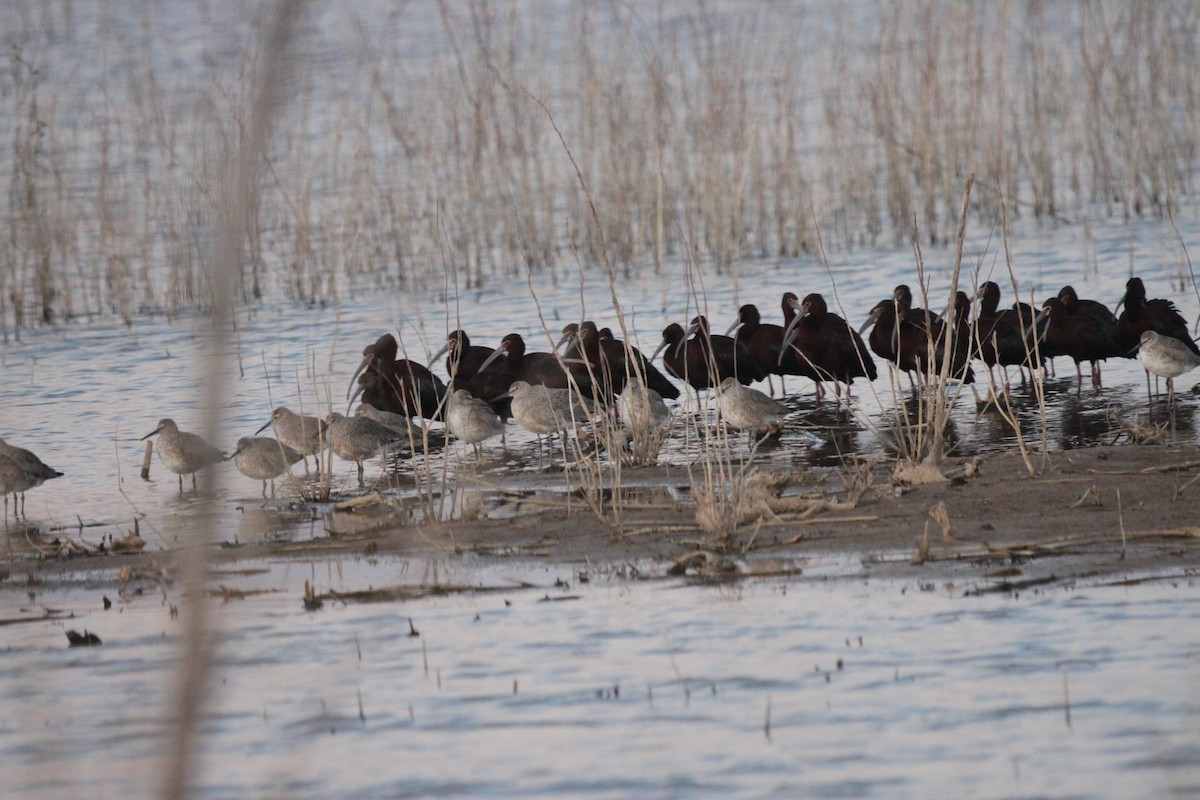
pixel 303 434
pixel 1090 333
pixel 1141 315
pixel 183 453
pixel 263 459
pixel 1166 357
pixel 828 344
pixel 26 468
pixel 545 410
pixel 472 420
pixel 749 409
pixel 358 438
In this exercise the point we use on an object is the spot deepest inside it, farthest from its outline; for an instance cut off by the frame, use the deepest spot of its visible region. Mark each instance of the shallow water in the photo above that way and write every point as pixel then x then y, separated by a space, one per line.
pixel 626 688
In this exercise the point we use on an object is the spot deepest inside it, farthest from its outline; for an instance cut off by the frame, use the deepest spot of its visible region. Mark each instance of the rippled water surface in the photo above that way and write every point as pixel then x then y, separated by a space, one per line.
pixel 620 688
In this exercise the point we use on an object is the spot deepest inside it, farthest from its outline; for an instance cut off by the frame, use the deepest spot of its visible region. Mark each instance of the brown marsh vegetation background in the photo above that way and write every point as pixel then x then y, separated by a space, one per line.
pixel 410 154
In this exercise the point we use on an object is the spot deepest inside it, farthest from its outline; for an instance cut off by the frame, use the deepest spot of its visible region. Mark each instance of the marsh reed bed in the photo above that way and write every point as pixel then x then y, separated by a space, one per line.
pixel 411 145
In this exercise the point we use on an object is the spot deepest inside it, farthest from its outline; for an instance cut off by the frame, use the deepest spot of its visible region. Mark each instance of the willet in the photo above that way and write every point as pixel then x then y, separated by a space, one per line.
pixel 749 409
pixel 397 422
pixel 544 410
pixel 28 463
pixel 183 453
pixel 358 438
pixel 1166 357
pixel 304 434
pixel 472 420
pixel 264 459
pixel 643 409
pixel 14 481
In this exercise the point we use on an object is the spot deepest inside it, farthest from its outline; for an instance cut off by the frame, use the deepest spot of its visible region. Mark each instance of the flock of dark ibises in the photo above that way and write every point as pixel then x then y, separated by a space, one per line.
pixel 811 342
pixel 548 392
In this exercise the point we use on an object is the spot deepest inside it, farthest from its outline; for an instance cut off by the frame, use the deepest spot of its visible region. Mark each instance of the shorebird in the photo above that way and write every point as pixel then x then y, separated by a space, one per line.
pixel 358 438
pixel 643 409
pixel 183 453
pixel 472 420
pixel 14 481
pixel 23 462
pixel 397 422
pixel 543 410
pixel 264 459
pixel 305 435
pixel 749 409
pixel 1166 357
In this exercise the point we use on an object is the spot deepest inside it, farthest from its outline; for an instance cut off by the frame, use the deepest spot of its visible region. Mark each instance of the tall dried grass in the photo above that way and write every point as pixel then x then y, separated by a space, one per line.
pixel 728 131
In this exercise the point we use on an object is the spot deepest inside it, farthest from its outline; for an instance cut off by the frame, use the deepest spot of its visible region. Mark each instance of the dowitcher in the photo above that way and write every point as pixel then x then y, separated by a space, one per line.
pixel 15 481
pixel 749 409
pixel 643 409
pixel 472 420
pixel 304 434
pixel 28 463
pixel 183 453
pixel 543 410
pixel 1166 357
pixel 358 438
pixel 264 459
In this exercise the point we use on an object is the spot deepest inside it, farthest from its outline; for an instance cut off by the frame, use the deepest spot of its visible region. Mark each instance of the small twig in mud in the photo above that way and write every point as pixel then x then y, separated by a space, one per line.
pixel 941 515
pixel 922 554
pixel 1066 700
pixel 1092 494
pixel 687 692
pixel 1121 524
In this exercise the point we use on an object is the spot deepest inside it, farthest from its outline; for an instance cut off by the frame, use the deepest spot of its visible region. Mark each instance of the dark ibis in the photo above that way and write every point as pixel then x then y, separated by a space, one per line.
pixel 828 345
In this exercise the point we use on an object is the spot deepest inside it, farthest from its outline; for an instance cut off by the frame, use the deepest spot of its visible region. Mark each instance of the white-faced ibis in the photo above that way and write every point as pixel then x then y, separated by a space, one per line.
pixel 617 352
pixel 1001 336
pixel 1085 335
pixel 685 359
pixel 1166 357
pixel 612 362
pixel 463 359
pixel 304 434
pixel 409 387
pixel 183 453
pixel 912 340
pixel 358 438
pixel 749 409
pixel 764 341
pixel 24 467
pixel 471 420
pixel 828 345
pixel 263 459
pixel 537 368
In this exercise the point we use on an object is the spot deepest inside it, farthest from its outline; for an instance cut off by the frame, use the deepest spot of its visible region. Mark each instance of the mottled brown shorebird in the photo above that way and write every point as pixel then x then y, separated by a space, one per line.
pixel 1166 357
pixel 358 438
pixel 263 459
pixel 25 472
pixel 749 409
pixel 472 420
pixel 306 435
pixel 183 453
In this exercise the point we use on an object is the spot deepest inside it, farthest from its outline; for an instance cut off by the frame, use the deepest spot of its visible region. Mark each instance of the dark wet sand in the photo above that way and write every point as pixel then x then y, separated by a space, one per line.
pixel 1009 531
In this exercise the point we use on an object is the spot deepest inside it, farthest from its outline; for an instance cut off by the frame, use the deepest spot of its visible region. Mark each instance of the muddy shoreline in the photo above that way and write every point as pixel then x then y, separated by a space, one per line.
pixel 1102 515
